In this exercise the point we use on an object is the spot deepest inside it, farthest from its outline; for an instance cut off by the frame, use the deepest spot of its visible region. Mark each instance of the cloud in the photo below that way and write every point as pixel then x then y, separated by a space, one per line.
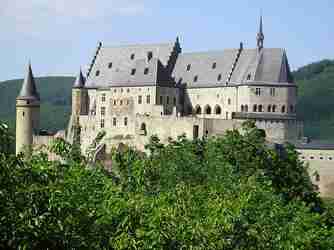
pixel 41 17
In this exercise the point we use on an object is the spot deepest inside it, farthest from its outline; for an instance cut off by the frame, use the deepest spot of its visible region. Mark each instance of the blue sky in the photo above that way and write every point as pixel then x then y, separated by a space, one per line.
pixel 59 36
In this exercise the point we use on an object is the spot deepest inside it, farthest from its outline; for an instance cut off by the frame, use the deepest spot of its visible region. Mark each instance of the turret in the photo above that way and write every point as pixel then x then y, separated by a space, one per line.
pixel 27 112
pixel 79 97
pixel 260 36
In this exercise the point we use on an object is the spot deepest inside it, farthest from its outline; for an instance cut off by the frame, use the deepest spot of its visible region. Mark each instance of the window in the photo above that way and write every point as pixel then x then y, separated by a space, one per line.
pixel 317 177
pixel 103 97
pixel 260 108
pixel 110 65
pixel 167 100
pixel 174 100
pixel 102 123
pixel 254 108
pixel 145 71
pixel 115 90
pixel 133 72
pixel 149 55
pixel 291 109
pixel 283 109
pixel 188 67
pixel 121 102
pixel 242 108
pixel 229 101
pixel 114 121
pixel 198 110
pixel 115 102
pixel 249 76
pixel 218 110
pixel 272 92
pixel 214 65
pixel 140 99
pixel 125 121
pixel 269 108
pixel 258 91
pixel 195 78
pixel 103 111
pixel 23 113
pixel 143 128
pixel 128 90
pixel 161 99
pixel 246 108
pixel 330 158
pixel 219 78
pixel 97 73
pixel 121 90
pixel 321 158
pixel 132 57
pixel 148 99
pixel 311 157
pixel 208 110
pixel 274 108
pixel 127 102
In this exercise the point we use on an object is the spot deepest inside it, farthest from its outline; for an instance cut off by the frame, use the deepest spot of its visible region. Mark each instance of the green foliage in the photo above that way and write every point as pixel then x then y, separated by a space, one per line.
pixel 215 193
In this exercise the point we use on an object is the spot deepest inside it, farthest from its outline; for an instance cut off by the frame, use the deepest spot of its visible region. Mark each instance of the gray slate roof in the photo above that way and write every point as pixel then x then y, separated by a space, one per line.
pixel 29 90
pixel 112 66
pixel 79 81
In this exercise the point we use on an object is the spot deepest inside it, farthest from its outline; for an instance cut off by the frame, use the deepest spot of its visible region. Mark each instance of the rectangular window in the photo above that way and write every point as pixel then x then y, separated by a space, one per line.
pixel 114 121
pixel 167 100
pixel 125 121
pixel 140 99
pixel 258 91
pixel 272 92
pixel 103 98
pixel 161 100
pixel 174 101
pixel 148 99
pixel 103 111
pixel 102 123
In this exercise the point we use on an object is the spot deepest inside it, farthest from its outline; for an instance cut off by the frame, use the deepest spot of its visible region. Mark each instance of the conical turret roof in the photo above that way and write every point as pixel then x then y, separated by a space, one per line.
pixel 79 81
pixel 29 90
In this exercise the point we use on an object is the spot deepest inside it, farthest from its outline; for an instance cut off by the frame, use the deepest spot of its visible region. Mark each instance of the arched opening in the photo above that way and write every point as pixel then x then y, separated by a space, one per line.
pixel 198 110
pixel 269 108
pixel 246 108
pixel 283 109
pixel 242 108
pixel 254 108
pixel 260 108
pixel 274 108
pixel 207 110
pixel 218 110
pixel 291 109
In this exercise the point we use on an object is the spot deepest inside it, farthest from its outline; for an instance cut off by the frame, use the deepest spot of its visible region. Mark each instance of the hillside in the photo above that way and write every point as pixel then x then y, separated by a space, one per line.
pixel 316 99
pixel 55 95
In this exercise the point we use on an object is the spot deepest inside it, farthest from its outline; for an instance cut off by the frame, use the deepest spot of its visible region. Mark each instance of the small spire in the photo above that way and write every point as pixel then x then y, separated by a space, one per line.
pixel 29 90
pixel 260 35
pixel 79 81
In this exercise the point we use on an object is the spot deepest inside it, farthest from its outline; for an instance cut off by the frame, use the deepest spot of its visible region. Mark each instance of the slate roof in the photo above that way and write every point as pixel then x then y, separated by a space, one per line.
pixel 112 66
pixel 115 64
pixel 79 81
pixel 29 90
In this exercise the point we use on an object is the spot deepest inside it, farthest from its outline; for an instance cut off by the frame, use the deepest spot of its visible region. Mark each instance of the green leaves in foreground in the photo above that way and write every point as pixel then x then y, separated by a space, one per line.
pixel 219 193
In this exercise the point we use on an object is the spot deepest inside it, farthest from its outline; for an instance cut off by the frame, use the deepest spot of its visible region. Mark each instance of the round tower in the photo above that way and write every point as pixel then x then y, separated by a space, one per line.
pixel 79 97
pixel 27 112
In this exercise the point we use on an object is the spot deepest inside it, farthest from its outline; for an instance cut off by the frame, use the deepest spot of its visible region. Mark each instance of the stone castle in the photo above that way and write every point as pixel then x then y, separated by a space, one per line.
pixel 134 92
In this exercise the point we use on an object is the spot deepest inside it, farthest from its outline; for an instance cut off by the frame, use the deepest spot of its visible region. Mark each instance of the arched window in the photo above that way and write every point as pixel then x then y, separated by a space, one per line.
pixel 246 108
pixel 283 109
pixel 198 110
pixel 254 108
pixel 207 110
pixel 143 129
pixel 114 121
pixel 274 108
pixel 242 108
pixel 218 110
pixel 260 108
pixel 269 108
pixel 125 121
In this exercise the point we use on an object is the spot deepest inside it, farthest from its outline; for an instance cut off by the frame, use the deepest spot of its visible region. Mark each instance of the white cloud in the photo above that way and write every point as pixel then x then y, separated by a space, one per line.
pixel 41 17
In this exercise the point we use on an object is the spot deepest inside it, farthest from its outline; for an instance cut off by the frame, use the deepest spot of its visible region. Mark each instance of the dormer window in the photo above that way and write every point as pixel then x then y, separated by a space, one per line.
pixel 219 78
pixel 214 65
pixel 110 65
pixel 132 57
pixel 149 55
pixel 133 72
pixel 195 78
pixel 97 73
pixel 188 67
pixel 145 71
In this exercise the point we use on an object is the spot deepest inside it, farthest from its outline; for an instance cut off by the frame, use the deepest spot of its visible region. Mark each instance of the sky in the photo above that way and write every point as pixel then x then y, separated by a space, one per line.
pixel 60 36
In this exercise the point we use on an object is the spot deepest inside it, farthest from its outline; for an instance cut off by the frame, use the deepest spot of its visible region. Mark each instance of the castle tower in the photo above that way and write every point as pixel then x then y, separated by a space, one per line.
pixel 27 112
pixel 79 97
pixel 260 36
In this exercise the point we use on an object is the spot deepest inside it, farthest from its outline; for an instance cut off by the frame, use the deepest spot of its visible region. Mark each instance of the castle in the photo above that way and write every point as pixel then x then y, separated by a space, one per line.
pixel 134 92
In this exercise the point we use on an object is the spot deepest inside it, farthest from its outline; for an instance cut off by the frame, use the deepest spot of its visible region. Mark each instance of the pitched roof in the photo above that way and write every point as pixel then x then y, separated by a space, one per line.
pixel 29 90
pixel 113 65
pixel 79 81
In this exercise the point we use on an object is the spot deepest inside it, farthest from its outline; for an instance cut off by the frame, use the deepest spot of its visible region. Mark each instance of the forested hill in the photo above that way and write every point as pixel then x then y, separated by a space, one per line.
pixel 55 95
pixel 316 98
pixel 315 105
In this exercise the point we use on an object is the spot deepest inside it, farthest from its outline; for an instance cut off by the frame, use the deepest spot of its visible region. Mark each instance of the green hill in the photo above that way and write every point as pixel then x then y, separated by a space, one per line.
pixel 316 99
pixel 55 95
